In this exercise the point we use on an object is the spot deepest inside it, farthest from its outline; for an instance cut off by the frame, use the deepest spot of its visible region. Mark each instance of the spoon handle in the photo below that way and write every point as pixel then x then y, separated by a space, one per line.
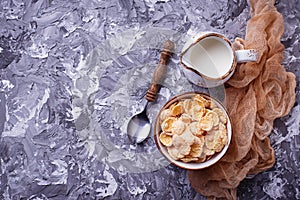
pixel 160 71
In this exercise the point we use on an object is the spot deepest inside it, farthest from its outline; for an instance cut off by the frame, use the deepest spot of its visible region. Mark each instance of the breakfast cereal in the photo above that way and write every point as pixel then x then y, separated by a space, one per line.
pixel 193 129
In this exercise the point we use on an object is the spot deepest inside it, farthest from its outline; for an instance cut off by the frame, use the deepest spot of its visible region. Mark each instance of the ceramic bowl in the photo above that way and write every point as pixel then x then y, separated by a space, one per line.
pixel 191 165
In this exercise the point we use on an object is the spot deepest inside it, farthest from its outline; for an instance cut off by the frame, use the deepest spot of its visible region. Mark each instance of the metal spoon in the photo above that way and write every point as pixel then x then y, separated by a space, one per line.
pixel 139 126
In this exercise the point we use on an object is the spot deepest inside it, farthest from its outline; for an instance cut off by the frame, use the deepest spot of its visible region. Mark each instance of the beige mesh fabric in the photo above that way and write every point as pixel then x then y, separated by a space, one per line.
pixel 257 94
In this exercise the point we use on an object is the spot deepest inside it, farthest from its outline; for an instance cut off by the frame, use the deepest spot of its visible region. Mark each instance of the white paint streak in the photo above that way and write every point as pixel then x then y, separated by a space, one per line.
pixel 109 182
pixel 19 129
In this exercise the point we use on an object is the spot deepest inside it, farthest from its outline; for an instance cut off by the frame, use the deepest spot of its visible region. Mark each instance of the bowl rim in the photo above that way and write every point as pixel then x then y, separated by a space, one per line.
pixel 192 166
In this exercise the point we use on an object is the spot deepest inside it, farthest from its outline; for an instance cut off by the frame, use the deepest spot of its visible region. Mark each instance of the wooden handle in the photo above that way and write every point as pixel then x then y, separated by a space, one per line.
pixel 160 71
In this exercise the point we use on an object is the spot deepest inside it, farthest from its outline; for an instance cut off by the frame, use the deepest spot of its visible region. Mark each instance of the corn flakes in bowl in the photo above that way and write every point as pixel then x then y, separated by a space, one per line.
pixel 193 130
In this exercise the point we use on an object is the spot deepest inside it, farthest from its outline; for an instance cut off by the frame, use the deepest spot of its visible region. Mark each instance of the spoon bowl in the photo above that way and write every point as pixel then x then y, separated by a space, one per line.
pixel 139 127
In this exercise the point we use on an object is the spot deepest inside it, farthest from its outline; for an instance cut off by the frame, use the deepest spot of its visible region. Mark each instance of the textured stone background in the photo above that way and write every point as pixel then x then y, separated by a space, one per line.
pixel 72 73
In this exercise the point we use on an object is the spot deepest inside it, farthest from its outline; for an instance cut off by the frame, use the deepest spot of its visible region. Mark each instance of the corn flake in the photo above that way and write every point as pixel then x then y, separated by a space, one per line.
pixel 165 139
pixel 197 112
pixel 186 118
pixel 166 125
pixel 200 98
pixel 197 147
pixel 187 105
pixel 182 148
pixel 195 129
pixel 188 159
pixel 188 137
pixel 202 157
pixel 206 123
pixel 165 114
pixel 214 116
pixel 177 109
pixel 221 114
pixel 215 140
pixel 212 105
pixel 178 127
pixel 207 151
pixel 174 153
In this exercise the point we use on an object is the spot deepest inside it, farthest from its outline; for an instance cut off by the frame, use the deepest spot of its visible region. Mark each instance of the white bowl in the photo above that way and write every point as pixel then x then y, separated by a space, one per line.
pixel 191 165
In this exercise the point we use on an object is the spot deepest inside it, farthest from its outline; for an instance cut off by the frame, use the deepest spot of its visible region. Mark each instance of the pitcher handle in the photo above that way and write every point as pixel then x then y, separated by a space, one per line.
pixel 248 55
